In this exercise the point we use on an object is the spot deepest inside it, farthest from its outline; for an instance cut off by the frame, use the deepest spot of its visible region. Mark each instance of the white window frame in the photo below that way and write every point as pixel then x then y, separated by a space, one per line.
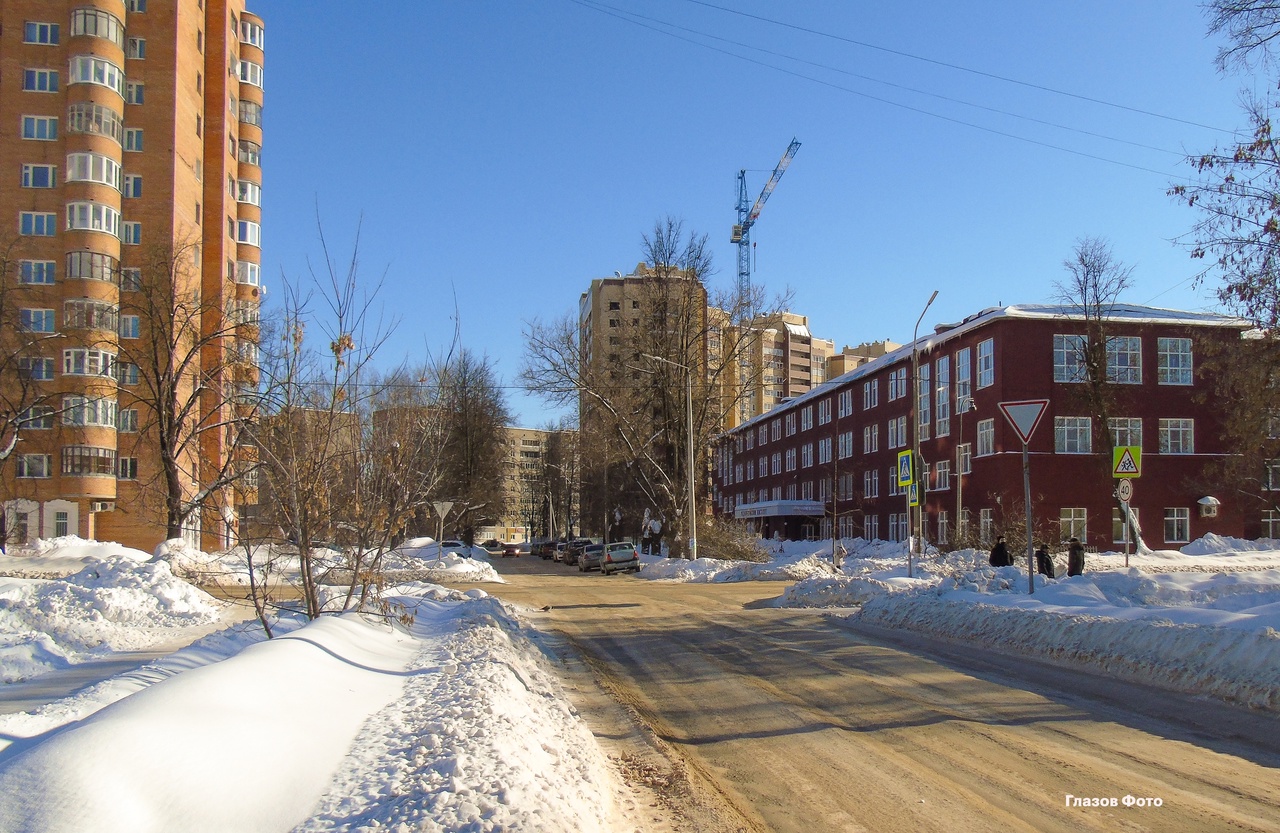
pixel 37 272
pixel 90 69
pixel 1073 435
pixel 986 437
pixel 40 128
pixel 986 363
pixel 1177 436
pixel 37 224
pixel 1124 360
pixel 1069 353
pixel 93 216
pixel 1177 525
pixel 39 176
pixel 1175 361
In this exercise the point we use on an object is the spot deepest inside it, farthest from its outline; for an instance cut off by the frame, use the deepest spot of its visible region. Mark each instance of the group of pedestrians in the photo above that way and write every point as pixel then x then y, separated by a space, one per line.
pixel 1000 557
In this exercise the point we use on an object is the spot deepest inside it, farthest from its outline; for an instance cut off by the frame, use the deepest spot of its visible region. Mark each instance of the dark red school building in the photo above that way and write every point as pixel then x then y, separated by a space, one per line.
pixel 839 444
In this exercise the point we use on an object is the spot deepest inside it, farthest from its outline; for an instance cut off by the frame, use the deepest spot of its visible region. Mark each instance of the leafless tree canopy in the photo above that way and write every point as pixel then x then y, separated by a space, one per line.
pixel 1250 26
pixel 631 401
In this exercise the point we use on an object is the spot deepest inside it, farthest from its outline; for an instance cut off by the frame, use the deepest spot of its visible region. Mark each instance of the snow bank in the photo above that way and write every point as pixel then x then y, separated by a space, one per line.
pixel 113 605
pixel 780 568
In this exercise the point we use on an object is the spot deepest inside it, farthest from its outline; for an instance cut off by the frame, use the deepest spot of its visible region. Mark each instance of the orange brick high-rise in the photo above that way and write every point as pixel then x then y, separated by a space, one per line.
pixel 125 125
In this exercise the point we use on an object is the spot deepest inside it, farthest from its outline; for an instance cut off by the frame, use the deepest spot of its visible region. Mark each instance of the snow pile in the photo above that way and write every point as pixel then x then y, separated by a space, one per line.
pixel 779 568
pixel 453 723
pixel 112 605
pixel 1213 544
pixel 48 557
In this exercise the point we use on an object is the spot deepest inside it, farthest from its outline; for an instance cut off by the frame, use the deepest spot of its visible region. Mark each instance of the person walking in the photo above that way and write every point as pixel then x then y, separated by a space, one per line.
pixel 1075 558
pixel 1000 554
pixel 1044 562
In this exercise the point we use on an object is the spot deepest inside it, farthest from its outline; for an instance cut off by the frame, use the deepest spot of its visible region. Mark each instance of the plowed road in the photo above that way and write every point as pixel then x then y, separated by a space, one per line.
pixel 798 721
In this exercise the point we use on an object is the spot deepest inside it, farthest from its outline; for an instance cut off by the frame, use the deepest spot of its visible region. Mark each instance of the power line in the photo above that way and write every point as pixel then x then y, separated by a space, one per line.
pixel 957 67
pixel 603 7
pixel 1165 174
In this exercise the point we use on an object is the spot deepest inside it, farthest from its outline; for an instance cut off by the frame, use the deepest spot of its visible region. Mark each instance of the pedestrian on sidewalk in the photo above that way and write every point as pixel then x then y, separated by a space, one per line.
pixel 1044 562
pixel 1075 558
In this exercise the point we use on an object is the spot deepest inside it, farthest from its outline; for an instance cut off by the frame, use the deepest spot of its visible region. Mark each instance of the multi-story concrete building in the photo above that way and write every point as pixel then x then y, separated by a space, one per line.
pixel 834 452
pixel 783 360
pixel 127 127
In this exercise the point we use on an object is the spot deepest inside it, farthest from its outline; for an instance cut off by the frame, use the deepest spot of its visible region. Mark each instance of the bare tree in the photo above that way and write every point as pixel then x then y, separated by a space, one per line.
pixel 184 369
pixel 633 415
pixel 1251 26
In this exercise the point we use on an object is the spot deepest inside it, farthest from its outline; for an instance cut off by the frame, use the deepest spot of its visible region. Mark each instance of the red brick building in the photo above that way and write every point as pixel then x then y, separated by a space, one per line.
pixel 839 444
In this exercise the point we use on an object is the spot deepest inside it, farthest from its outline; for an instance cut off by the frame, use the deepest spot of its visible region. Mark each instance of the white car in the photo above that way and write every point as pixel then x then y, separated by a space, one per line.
pixel 620 556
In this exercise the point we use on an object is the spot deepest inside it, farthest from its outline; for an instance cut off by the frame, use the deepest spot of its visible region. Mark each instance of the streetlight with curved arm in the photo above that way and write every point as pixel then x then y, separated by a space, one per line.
pixel 915 520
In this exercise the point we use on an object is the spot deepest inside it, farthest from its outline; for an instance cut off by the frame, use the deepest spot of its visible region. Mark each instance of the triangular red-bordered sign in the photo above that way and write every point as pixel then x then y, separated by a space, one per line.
pixel 1024 416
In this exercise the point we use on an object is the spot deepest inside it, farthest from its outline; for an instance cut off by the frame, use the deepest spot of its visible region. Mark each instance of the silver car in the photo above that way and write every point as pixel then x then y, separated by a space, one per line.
pixel 620 556
pixel 591 557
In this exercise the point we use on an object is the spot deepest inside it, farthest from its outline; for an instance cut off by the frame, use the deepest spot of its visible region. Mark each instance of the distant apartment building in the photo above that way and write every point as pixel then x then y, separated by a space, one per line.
pixel 539 485
pixel 782 360
pixel 126 126
pixel 835 452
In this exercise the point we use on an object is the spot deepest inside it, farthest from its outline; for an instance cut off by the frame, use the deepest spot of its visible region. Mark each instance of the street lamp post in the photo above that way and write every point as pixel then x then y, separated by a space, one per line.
pixel 912 526
pixel 693 518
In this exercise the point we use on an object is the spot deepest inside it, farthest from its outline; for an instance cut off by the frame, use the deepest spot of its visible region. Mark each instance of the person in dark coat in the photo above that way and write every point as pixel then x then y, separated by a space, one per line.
pixel 1044 562
pixel 1000 554
pixel 1075 558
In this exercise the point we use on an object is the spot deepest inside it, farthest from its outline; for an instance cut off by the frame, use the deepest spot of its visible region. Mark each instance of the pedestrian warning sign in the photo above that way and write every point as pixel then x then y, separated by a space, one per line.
pixel 905 474
pixel 1126 461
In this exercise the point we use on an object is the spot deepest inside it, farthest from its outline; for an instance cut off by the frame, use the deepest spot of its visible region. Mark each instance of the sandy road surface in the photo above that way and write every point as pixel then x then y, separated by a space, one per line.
pixel 800 722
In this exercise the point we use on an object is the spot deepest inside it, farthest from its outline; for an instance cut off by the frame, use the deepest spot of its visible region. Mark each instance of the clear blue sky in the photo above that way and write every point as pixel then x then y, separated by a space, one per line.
pixel 506 153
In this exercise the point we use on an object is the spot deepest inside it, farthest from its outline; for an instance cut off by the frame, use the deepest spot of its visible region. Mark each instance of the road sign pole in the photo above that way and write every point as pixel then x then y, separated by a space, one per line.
pixel 1026 494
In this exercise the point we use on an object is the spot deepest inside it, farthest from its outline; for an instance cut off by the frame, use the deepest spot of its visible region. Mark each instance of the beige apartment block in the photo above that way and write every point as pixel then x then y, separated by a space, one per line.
pixel 851 358
pixel 127 127
pixel 783 360
pixel 539 484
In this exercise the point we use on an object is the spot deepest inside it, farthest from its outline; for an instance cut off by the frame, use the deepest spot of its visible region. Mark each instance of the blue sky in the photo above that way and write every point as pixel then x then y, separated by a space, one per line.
pixel 506 153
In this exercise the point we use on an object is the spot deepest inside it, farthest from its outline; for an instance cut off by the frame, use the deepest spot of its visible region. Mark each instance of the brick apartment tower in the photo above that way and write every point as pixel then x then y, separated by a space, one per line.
pixel 125 125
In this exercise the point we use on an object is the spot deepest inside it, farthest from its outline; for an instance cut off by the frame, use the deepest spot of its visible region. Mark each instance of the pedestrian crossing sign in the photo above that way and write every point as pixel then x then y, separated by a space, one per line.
pixel 1126 461
pixel 905 475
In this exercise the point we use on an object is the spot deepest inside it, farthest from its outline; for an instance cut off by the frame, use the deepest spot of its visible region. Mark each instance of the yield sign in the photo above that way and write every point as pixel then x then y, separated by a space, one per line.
pixel 1024 416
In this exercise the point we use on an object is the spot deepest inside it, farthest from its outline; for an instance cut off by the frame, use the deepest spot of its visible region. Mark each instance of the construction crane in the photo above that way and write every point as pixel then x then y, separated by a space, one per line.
pixel 748 214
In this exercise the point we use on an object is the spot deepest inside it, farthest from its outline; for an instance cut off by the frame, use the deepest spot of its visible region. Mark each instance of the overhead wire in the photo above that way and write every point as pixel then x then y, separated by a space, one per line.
pixel 595 6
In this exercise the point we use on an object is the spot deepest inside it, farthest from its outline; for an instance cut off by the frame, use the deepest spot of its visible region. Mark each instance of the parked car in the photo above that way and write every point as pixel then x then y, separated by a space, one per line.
pixel 574 549
pixel 543 549
pixel 558 553
pixel 620 556
pixel 510 548
pixel 493 546
pixel 592 554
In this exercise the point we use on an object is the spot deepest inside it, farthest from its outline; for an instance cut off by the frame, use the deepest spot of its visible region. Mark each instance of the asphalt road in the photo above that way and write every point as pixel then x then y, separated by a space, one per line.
pixel 799 721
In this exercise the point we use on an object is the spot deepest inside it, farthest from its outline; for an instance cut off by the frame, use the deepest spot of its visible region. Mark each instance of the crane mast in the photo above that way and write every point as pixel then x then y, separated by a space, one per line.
pixel 748 214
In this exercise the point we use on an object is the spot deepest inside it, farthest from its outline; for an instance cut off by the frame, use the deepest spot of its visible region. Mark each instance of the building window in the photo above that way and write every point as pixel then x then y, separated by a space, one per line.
pixel 131 280
pixel 39 176
pixel 1117 525
pixel 248 272
pixel 38 417
pixel 1177 525
pixel 136 5
pixel 92 216
pixel 98 24
pixel 1271 523
pixel 986 526
pixel 35 465
pixel 775 430
pixel 806 455
pixel 1074 523
pixel 40 128
pixel 250 112
pixel 87 69
pixel 1069 352
pixel 85 265
pixel 126 373
pixel 94 119
pixel 248 191
pixel 36 320
pixel 986 363
pixel 897 384
pixel 80 314
pixel 40 80
pixel 42 33
pixel 88 410
pixel 924 400
pixel 1177 436
pixel 249 152
pixel 131 233
pixel 824 411
pixel 128 420
pixel 251 33
pixel 964 386
pixel 93 167
pixel 870 394
pixel 824 451
pixel 132 186
pixel 791 459
pixel 136 48
pixel 134 93
pixel 81 361
pixel 88 460
pixel 942 476
pixel 128 468
pixel 1073 435
pixel 1126 431
pixel 248 232
pixel 1173 357
pixel 61 524
pixel 870 439
pixel 36 271
pixel 943 397
pixel 35 369
pixel 986 437
pixel 845 405
pixel 130 326
pixel 966 458
pixel 1124 360
pixel 133 139
pixel 871 483
pixel 37 224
